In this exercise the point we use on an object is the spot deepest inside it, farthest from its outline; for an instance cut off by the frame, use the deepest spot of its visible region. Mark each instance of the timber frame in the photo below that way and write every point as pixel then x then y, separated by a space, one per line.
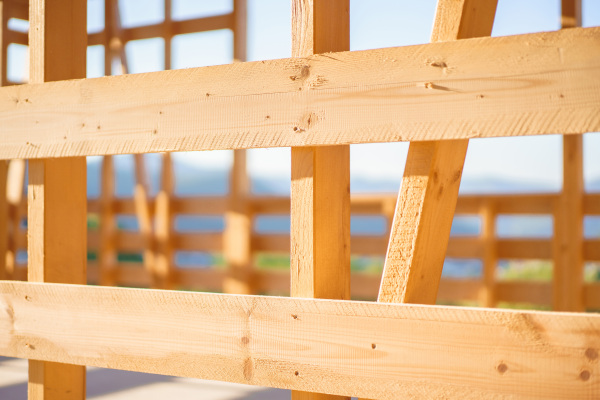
pixel 317 343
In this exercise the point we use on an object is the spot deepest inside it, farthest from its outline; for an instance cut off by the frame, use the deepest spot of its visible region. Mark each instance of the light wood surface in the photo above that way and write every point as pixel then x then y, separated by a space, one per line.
pixel 57 216
pixel 467 353
pixel 163 266
pixel 164 111
pixel 4 220
pixel 320 188
pixel 568 217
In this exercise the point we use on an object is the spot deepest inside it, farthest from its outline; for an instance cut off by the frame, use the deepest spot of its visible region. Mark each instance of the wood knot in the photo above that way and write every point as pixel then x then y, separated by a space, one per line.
pixel 439 64
pixel 296 373
pixel 502 368
pixel 248 369
pixel 245 340
pixel 591 354
pixel 584 375
pixel 295 316
pixel 373 346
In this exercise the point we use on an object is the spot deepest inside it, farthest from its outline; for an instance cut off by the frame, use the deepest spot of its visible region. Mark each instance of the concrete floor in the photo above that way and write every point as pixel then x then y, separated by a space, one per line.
pixel 105 384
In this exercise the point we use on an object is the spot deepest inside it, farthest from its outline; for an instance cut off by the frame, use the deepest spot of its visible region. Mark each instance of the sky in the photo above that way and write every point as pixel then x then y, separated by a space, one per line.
pixel 373 24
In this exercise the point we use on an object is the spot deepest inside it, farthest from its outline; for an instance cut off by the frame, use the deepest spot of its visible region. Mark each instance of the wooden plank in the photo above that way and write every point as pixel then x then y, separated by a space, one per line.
pixel 538 249
pixel 386 351
pixel 465 247
pixel 568 215
pixel 183 27
pixel 240 30
pixel 369 100
pixel 452 290
pixel 591 203
pixel 320 192
pixel 163 266
pixel 591 249
pixel 57 217
pixel 4 219
pixel 592 295
pixel 14 195
pixel 542 203
pixel 487 294
pixel 237 243
pixel 539 293
pixel 208 242
pixel 142 210
pixel 3 42
pixel 427 198
pixel 107 256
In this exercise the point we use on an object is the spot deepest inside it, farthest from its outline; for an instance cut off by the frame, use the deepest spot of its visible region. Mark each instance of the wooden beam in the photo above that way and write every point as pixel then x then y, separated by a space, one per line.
pixel 195 25
pixel 57 218
pixel 4 220
pixel 14 195
pixel 163 264
pixel 427 198
pixel 240 31
pixel 237 244
pixel 487 294
pixel 568 215
pixel 142 210
pixel 3 42
pixel 320 192
pixel 386 351
pixel 107 255
pixel 299 102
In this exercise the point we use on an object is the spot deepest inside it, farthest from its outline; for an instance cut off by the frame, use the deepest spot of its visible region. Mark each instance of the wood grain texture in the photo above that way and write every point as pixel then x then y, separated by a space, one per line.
pixel 427 198
pixel 107 255
pixel 237 245
pixel 487 294
pixel 307 344
pixel 163 265
pixel 320 188
pixel 57 216
pixel 142 211
pixel 4 220
pixel 3 42
pixel 568 216
pixel 519 85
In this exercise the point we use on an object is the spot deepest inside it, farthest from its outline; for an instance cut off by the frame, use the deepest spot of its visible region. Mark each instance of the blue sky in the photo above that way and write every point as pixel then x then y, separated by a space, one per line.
pixel 374 24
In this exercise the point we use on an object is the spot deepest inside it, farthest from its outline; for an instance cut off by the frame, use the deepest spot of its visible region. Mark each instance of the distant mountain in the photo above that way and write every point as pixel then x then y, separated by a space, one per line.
pixel 192 181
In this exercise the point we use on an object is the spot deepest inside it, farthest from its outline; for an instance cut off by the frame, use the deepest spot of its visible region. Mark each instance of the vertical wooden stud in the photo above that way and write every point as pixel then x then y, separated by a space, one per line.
pixel 4 164
pixel 163 264
pixel 16 203
pixel 427 197
pixel 240 17
pixel 238 223
pixel 142 211
pixel 57 199
pixel 320 193
pixel 238 230
pixel 168 33
pixel 107 258
pixel 3 219
pixel 3 43
pixel 487 295
pixel 568 216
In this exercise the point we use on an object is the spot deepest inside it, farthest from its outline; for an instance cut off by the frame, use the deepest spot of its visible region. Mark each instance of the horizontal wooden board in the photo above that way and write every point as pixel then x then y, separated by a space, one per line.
pixel 381 351
pixel 532 84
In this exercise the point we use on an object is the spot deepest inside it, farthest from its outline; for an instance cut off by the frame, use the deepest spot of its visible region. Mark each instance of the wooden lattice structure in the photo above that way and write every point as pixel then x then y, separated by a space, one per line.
pixel 436 96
